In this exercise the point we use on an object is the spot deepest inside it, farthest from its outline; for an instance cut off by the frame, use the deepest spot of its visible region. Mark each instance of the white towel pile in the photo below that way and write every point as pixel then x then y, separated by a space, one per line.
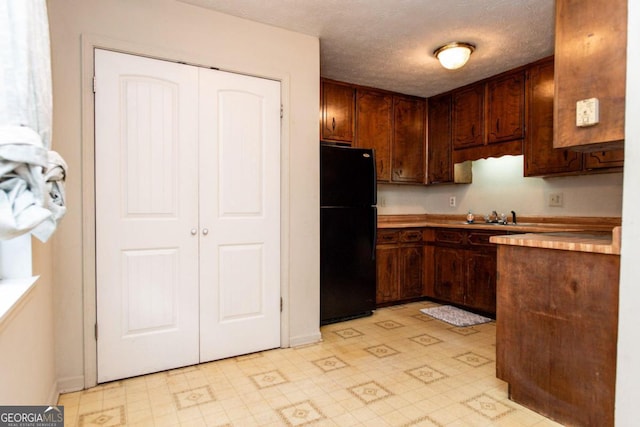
pixel 32 178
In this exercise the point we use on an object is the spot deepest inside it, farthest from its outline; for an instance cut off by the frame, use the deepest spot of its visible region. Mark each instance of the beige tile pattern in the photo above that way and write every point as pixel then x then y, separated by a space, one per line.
pixel 425 340
pixel 269 379
pixel 370 392
pixel 301 414
pixel 382 350
pixel 396 368
pixel 330 363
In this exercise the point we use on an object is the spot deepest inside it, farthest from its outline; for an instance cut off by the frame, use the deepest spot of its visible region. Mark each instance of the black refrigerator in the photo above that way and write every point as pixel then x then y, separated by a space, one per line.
pixel 348 221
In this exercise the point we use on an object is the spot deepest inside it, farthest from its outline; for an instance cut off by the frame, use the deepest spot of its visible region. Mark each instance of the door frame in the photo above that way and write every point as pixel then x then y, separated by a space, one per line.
pixel 89 43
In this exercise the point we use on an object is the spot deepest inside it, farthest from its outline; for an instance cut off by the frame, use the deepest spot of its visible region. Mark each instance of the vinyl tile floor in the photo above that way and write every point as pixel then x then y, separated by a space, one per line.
pixel 398 367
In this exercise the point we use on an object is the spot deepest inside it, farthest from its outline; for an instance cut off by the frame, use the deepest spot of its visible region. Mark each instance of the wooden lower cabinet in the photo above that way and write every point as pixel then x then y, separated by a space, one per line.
pixel 410 271
pixel 556 332
pixel 464 265
pixel 448 264
pixel 387 271
pixel 481 280
pixel 399 263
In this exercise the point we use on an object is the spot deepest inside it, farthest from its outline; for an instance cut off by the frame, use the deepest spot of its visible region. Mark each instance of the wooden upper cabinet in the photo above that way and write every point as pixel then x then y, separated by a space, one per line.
pixel 407 156
pixel 394 125
pixel 590 55
pixel 337 112
pixel 540 157
pixel 505 108
pixel 468 117
pixel 604 159
pixel 488 117
pixel 374 119
pixel 440 164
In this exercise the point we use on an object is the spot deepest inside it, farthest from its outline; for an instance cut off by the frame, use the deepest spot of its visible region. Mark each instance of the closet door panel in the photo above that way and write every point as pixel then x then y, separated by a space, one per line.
pixel 239 214
pixel 240 155
pixel 146 207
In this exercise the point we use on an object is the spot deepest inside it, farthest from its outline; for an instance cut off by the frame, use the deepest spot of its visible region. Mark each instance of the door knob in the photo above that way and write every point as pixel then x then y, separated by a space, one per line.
pixel 205 231
pixel 194 231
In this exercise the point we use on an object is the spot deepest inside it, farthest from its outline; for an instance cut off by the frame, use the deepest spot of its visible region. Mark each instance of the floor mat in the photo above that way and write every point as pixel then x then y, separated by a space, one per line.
pixel 455 316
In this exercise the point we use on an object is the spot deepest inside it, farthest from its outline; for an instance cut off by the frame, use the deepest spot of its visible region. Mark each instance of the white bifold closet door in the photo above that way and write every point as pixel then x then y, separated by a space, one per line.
pixel 187 173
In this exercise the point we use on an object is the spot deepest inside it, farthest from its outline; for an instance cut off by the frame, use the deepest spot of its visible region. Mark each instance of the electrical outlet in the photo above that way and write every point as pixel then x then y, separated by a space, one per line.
pixel 382 202
pixel 556 199
pixel 452 201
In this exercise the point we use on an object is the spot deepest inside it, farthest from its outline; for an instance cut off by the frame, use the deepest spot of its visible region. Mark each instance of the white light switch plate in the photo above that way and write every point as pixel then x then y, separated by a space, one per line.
pixel 587 112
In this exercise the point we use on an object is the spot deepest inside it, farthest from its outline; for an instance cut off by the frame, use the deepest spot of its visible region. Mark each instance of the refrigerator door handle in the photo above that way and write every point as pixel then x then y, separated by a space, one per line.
pixel 374 233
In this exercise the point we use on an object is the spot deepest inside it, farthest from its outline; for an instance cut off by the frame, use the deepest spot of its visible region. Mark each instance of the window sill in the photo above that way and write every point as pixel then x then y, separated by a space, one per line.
pixel 13 293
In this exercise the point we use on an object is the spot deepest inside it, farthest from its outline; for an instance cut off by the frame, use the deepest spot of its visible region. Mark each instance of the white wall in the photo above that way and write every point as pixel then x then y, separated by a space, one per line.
pixel 178 31
pixel 498 184
pixel 628 369
pixel 27 341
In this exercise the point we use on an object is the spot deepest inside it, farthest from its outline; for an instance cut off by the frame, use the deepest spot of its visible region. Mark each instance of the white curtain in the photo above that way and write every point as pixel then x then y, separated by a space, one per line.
pixel 32 198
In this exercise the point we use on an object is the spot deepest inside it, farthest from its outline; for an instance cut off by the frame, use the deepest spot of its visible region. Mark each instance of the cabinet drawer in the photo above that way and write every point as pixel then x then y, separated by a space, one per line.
pixel 450 236
pixel 482 239
pixel 411 236
pixel 387 236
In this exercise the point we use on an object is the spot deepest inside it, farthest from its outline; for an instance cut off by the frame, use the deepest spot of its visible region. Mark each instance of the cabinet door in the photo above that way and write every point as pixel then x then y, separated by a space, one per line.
pixel 468 117
pixel 449 274
pixel 338 102
pixel 540 156
pixel 410 271
pixel 374 118
pixel 589 35
pixel 386 274
pixel 505 108
pixel 481 279
pixel 440 165
pixel 407 154
pixel 604 159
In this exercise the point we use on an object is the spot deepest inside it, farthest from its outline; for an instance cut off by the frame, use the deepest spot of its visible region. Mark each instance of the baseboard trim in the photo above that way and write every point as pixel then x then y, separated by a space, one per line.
pixel 54 394
pixel 305 339
pixel 69 384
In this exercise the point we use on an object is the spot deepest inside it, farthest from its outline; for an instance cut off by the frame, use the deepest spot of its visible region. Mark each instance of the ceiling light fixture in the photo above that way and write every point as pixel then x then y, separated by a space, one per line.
pixel 454 55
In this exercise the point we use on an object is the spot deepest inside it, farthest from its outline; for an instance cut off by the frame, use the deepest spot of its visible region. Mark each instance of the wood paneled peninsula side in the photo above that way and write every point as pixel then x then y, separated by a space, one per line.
pixel 557 323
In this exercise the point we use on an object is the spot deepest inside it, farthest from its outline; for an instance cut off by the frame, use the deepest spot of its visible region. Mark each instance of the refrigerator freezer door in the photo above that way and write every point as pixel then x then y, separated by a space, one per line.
pixel 347 176
pixel 347 263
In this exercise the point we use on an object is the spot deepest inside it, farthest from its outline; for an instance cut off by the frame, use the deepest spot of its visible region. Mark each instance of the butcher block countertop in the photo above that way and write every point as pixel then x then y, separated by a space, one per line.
pixel 580 234
pixel 594 242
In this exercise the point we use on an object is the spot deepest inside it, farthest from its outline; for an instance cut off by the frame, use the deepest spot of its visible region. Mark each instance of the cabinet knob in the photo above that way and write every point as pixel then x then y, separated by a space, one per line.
pixel 205 231
pixel 194 231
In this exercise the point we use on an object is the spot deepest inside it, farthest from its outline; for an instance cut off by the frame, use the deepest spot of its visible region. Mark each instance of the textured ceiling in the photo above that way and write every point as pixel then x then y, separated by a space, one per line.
pixel 388 44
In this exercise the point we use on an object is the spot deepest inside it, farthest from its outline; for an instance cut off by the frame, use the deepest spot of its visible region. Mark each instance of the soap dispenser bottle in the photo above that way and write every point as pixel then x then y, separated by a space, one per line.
pixel 470 217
